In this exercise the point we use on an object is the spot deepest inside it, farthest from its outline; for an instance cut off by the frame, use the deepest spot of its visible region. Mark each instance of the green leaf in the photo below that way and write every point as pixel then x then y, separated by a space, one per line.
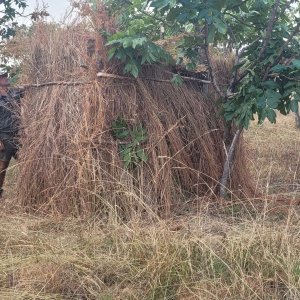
pixel 251 71
pixel 228 115
pixel 273 98
pixel 125 149
pixel 289 84
pixel 261 102
pixel 135 71
pixel 159 4
pixel 220 25
pixel 270 84
pixel 296 63
pixel 189 27
pixel 211 34
pixel 127 42
pixel 294 106
pixel 279 68
pixel 138 42
pixel 177 80
pixel 127 158
pixel 271 115
pixel 132 68
pixel 111 52
pixel 119 129
pixel 142 155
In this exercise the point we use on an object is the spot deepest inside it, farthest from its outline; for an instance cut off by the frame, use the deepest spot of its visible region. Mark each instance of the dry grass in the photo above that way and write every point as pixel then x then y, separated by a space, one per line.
pixel 70 162
pixel 275 156
pixel 211 252
pixel 199 257
pixel 233 252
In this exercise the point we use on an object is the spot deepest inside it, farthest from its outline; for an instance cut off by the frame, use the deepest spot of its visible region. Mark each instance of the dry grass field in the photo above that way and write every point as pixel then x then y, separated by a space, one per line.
pixel 248 250
pixel 274 152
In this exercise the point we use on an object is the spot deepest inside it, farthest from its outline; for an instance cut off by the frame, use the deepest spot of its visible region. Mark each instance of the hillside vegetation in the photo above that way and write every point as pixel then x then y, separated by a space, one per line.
pixel 247 250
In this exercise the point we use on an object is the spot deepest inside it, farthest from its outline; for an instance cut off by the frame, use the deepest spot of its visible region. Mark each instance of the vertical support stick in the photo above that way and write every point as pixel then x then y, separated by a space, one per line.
pixel 228 164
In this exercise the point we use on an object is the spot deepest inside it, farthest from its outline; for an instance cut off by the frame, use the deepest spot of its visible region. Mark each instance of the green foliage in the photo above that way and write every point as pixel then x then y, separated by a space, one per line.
pixel 268 75
pixel 130 141
pixel 9 10
pixel 134 51
pixel 177 80
pixel 281 92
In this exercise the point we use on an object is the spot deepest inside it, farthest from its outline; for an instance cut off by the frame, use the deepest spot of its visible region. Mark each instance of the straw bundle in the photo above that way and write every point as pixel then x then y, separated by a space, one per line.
pixel 70 161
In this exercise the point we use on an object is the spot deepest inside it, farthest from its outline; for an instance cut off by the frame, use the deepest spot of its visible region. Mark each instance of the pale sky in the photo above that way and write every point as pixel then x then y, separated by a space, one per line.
pixel 56 8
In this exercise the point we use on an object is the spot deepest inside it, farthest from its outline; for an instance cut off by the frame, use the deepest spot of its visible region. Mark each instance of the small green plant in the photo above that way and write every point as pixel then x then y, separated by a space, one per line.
pixel 130 140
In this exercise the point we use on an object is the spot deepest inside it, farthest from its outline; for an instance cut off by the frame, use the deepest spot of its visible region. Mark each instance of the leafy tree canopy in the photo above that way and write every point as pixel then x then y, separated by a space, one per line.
pixel 262 34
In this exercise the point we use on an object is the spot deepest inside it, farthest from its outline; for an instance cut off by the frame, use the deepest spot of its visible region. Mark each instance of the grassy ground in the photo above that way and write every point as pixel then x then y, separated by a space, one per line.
pixel 240 251
pixel 275 156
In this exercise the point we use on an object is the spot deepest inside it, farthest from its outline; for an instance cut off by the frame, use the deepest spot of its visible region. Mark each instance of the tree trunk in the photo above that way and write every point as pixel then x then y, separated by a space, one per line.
pixel 228 164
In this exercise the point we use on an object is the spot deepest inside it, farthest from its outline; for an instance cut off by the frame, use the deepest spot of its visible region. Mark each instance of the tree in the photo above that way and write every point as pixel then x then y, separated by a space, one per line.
pixel 9 10
pixel 263 34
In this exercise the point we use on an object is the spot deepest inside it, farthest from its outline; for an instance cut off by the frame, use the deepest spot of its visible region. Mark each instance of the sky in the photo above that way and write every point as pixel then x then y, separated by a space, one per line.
pixel 56 8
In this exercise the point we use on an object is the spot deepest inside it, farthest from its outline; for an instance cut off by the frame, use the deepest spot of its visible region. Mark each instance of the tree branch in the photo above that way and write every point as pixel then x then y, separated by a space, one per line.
pixel 270 26
pixel 233 81
pixel 242 50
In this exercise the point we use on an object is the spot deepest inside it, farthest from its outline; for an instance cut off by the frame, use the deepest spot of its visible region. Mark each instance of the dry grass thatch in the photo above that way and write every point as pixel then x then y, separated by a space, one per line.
pixel 70 162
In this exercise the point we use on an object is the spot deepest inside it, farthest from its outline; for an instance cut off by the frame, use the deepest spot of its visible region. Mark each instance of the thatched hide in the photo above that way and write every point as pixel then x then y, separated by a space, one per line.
pixel 70 161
